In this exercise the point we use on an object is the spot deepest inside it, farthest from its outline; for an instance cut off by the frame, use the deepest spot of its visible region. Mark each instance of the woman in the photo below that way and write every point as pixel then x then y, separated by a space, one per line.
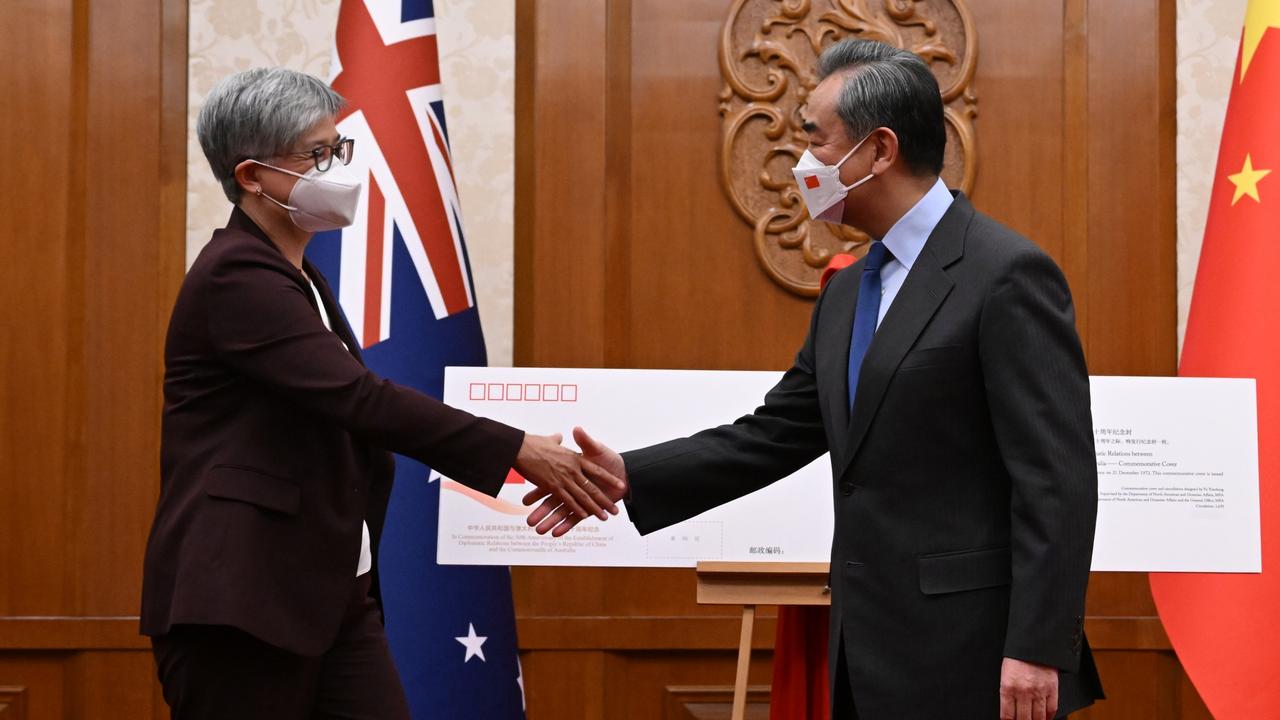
pixel 258 588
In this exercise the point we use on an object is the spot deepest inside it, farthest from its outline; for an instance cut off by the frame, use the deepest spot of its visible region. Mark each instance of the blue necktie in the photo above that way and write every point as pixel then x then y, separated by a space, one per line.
pixel 868 312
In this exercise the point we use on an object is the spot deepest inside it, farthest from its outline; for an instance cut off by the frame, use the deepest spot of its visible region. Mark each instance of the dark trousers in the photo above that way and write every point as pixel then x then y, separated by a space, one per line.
pixel 213 672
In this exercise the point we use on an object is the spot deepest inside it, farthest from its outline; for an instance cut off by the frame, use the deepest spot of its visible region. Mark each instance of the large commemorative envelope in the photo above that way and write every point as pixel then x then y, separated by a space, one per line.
pixel 1177 473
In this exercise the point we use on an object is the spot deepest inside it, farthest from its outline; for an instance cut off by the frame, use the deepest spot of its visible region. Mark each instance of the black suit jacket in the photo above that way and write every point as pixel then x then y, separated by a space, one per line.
pixel 274 449
pixel 965 484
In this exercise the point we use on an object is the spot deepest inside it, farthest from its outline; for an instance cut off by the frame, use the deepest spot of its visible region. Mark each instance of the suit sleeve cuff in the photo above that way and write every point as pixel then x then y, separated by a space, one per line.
pixel 634 500
pixel 491 472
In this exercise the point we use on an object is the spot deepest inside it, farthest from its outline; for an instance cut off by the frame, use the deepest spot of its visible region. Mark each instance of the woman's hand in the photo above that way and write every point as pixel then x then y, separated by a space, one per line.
pixel 557 516
pixel 574 482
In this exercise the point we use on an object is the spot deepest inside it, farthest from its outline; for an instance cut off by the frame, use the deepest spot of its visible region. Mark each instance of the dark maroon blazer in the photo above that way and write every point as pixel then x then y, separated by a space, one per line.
pixel 275 446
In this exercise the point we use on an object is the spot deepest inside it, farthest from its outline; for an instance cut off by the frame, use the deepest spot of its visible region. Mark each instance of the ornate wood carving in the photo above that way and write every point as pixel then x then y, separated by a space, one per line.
pixel 768 58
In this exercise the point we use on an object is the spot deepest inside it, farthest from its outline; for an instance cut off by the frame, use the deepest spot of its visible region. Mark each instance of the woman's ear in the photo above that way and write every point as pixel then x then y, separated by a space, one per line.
pixel 247 177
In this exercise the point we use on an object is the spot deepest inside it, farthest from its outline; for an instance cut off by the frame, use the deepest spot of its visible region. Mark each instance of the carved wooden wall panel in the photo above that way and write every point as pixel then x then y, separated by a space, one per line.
pixel 768 55
pixel 13 703
pixel 712 702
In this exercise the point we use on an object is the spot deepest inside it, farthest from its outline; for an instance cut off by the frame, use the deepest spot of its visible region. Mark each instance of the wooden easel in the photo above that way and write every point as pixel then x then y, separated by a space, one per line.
pixel 759 583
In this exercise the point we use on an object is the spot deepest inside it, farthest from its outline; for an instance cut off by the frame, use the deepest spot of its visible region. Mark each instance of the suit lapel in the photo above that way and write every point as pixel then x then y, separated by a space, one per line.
pixel 337 318
pixel 924 290
pixel 926 286
pixel 240 220
pixel 841 299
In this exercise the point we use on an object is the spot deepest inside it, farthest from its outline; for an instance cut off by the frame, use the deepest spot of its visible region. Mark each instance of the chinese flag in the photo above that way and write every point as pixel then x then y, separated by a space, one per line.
pixel 800 689
pixel 1226 628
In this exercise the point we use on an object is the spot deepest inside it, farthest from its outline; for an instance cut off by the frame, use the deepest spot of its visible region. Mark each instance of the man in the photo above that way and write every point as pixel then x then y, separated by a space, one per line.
pixel 944 375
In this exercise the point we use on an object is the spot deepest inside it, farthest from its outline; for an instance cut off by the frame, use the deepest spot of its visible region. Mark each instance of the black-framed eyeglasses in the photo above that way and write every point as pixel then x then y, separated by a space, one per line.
pixel 323 155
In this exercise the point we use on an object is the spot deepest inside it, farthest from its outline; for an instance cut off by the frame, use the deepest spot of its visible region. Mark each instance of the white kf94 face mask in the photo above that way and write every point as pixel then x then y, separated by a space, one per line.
pixel 321 201
pixel 820 185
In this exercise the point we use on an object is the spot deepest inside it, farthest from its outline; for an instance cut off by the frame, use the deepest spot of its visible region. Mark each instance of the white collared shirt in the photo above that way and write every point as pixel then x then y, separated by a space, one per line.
pixel 365 564
pixel 907 238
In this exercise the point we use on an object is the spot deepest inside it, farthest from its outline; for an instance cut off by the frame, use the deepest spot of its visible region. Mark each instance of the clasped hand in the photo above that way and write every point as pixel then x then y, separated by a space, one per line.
pixel 579 486
pixel 606 482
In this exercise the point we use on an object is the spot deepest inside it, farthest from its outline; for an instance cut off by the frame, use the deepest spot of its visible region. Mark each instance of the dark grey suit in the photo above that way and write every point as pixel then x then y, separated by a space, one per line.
pixel 965 482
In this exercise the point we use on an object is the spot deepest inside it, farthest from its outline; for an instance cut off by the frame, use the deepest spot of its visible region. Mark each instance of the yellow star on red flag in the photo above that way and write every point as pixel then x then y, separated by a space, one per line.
pixel 1258 18
pixel 1246 181
pixel 1231 333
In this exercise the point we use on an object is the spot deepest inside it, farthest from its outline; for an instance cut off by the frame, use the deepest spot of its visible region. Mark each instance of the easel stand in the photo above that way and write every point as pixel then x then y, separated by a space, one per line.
pixel 759 583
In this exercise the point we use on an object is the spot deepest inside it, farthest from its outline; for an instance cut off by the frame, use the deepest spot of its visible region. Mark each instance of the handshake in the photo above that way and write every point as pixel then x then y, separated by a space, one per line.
pixel 571 486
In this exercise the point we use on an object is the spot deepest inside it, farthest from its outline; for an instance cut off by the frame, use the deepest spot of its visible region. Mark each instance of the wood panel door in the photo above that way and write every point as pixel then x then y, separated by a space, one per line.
pixel 629 254
pixel 92 199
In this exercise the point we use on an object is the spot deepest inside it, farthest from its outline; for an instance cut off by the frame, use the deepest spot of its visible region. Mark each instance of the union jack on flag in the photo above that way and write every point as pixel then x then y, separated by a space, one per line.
pixel 387 67
pixel 404 283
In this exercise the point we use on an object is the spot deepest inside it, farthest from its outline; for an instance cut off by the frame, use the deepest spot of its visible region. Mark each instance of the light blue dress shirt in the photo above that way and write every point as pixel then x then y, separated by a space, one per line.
pixel 906 239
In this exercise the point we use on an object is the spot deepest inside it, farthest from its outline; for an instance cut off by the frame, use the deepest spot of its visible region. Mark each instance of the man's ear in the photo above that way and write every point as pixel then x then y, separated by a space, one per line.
pixel 886 145
pixel 247 176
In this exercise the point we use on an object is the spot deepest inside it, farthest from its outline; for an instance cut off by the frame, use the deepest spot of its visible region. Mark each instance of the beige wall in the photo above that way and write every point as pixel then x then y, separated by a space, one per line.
pixel 1208 39
pixel 477 59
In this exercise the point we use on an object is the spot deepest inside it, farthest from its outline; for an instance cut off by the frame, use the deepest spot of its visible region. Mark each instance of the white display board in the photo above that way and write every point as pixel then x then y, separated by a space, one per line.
pixel 627 409
pixel 1177 473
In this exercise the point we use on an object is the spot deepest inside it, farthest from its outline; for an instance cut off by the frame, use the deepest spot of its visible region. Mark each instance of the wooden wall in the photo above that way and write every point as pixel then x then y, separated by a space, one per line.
pixel 91 253
pixel 629 255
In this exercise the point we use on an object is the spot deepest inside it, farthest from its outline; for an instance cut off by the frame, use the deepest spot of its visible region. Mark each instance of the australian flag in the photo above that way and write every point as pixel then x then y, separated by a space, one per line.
pixel 404 282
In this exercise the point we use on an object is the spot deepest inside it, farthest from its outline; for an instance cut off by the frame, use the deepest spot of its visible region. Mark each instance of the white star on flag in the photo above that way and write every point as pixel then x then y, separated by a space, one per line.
pixel 520 682
pixel 473 643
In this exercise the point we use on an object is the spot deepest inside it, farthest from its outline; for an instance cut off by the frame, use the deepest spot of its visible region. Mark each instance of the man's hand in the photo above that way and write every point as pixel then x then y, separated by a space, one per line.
pixel 567 477
pixel 1028 691
pixel 557 516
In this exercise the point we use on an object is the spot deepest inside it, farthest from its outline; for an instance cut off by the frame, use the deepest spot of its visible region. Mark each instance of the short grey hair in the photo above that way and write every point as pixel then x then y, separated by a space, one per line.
pixel 885 86
pixel 259 113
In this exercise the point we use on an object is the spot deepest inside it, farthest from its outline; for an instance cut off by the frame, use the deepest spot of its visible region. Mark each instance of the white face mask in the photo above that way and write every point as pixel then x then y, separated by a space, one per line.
pixel 821 188
pixel 321 201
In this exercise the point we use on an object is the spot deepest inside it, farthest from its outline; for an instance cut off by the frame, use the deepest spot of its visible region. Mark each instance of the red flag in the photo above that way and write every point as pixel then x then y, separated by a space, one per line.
pixel 838 263
pixel 800 688
pixel 1226 628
